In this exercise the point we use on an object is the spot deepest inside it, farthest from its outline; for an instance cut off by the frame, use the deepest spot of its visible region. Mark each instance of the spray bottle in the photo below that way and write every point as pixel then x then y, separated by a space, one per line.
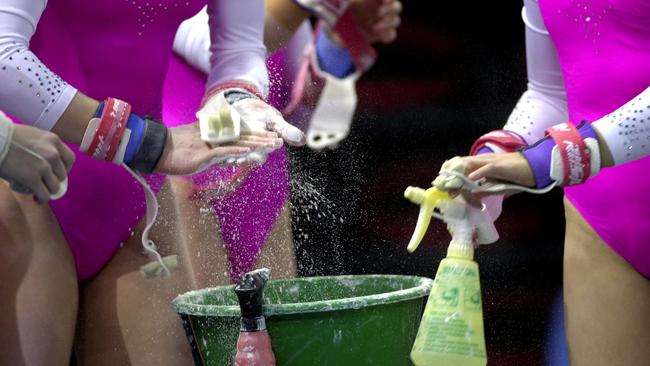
pixel 451 330
pixel 254 343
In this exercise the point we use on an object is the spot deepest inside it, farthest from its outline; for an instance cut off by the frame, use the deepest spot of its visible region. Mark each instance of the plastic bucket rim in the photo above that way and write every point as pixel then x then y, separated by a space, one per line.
pixel 421 288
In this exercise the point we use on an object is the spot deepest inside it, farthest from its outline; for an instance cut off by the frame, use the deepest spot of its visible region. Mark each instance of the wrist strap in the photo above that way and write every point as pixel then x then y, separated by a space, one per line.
pixel 507 141
pixel 575 157
pixel 332 57
pixel 346 28
pixel 108 135
pixel 150 150
pixel 233 84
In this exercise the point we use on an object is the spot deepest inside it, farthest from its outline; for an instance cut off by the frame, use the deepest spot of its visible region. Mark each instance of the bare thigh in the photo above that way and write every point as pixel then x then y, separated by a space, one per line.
pixel 278 253
pixel 607 302
pixel 204 246
pixel 38 290
pixel 126 319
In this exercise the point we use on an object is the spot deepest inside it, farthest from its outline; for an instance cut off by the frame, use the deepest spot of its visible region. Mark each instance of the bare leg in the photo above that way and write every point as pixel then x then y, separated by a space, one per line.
pixel 278 253
pixel 126 319
pixel 38 289
pixel 607 302
pixel 201 237
pixel 205 248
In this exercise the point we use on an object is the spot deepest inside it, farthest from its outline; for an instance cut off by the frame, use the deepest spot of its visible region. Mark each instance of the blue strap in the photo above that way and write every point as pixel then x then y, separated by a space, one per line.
pixel 332 58
pixel 136 125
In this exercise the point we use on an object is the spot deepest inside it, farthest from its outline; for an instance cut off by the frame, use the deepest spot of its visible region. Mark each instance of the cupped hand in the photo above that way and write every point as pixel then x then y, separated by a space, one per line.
pixel 485 169
pixel 185 153
pixel 256 115
pixel 37 160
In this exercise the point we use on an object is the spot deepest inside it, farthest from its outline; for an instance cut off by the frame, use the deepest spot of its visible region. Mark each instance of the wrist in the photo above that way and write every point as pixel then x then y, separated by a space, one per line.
pixel 75 119
pixel 497 141
pixel 117 135
pixel 155 139
pixel 567 156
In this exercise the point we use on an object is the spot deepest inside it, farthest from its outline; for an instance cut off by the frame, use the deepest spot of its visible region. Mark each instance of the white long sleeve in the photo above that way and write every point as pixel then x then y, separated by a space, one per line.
pixel 237 43
pixel 544 103
pixel 626 131
pixel 30 91
pixel 192 41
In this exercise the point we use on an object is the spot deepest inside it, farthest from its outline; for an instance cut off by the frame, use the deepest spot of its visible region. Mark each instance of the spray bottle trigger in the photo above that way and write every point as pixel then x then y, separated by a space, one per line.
pixel 428 201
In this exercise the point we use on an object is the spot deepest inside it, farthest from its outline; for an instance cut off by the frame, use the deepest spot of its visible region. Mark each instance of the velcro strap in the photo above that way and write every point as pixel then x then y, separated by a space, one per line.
pixel 107 137
pixel 575 157
pixel 151 148
pixel 506 140
pixel 348 31
pixel 232 84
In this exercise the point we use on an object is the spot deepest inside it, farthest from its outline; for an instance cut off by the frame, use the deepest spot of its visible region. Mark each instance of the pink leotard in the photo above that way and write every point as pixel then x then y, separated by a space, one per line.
pixel 107 48
pixel 247 215
pixel 604 53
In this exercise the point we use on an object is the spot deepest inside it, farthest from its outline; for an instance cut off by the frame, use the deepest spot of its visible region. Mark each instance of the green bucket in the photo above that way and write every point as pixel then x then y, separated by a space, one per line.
pixel 340 320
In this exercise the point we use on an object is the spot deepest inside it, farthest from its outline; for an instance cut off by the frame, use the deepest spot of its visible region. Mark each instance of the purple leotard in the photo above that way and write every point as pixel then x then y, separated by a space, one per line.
pixel 107 48
pixel 604 52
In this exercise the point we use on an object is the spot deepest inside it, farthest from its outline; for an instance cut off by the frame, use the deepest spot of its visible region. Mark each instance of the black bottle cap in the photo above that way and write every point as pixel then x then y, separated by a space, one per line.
pixel 250 292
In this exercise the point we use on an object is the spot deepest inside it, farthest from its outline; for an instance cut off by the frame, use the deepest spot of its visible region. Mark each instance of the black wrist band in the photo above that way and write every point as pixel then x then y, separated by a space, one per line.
pixel 233 96
pixel 151 147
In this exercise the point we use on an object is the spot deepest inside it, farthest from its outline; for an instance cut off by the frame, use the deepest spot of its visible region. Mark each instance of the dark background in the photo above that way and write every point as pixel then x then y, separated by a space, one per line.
pixel 455 72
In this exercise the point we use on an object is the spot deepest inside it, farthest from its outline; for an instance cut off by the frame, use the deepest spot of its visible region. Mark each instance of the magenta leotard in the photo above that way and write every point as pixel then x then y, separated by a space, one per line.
pixel 604 52
pixel 107 48
pixel 247 215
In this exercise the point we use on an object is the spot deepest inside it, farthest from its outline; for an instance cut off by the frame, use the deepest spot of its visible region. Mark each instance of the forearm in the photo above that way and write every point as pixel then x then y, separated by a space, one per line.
pixel 286 12
pixel 283 18
pixel 32 93
pixel 75 118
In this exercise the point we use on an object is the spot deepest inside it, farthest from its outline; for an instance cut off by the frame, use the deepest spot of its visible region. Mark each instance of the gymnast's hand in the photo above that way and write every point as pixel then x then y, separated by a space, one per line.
pixel 510 167
pixel 37 160
pixel 185 153
pixel 378 19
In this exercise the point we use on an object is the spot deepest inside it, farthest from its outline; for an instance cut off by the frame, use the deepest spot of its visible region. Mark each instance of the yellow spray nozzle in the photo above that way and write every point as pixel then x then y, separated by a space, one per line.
pixel 428 200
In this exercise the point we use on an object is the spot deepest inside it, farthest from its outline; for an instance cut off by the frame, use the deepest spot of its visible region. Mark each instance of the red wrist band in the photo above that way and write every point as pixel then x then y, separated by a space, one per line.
pixel 575 159
pixel 507 140
pixel 108 135
pixel 346 28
